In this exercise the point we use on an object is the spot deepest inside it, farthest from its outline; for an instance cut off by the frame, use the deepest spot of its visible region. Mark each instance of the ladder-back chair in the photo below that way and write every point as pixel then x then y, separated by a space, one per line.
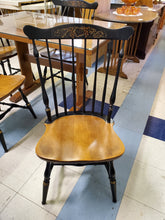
pixel 79 137
pixel 74 8
pixel 8 85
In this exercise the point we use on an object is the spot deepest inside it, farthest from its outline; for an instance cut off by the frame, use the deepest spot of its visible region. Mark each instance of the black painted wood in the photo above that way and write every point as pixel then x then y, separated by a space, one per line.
pixel 73 32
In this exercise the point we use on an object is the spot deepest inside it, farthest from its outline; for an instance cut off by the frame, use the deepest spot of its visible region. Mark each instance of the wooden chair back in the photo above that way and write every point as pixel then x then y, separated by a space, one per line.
pixel 75 8
pixel 85 33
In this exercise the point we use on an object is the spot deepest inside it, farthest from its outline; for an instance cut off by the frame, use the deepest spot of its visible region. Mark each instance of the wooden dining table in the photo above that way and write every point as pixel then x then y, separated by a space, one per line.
pixel 11 27
pixel 146 15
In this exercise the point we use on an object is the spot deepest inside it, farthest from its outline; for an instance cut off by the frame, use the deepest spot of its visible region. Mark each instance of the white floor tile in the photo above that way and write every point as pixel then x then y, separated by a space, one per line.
pixel 159 101
pixel 133 210
pixel 17 166
pixel 6 195
pixel 63 180
pixel 29 141
pixel 22 209
pixel 146 184
pixel 151 151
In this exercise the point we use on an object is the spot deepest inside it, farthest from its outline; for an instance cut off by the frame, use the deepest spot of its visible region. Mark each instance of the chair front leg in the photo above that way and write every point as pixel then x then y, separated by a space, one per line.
pixel 3 141
pixel 47 173
pixel 111 173
pixel 27 103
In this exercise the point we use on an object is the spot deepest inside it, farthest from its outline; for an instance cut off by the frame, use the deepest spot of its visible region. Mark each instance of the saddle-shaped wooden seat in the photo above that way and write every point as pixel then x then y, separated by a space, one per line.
pixel 9 84
pixel 79 138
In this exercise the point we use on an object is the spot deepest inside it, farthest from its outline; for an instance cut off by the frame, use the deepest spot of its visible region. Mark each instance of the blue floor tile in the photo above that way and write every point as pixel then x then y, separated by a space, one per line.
pixel 155 128
pixel 89 106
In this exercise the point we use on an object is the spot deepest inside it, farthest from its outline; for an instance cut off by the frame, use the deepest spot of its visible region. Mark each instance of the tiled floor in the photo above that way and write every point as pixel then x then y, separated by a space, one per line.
pixel 144 197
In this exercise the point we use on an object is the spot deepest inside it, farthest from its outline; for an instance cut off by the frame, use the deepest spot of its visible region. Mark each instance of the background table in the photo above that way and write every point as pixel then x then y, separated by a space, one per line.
pixel 148 15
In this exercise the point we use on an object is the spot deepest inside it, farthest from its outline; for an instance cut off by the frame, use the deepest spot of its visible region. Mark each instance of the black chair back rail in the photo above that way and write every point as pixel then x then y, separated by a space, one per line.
pixel 86 9
pixel 86 32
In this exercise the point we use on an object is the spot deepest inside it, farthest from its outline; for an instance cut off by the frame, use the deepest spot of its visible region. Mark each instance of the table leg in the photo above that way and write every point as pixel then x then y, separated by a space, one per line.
pixel 133 43
pixel 113 61
pixel 30 84
pixel 80 80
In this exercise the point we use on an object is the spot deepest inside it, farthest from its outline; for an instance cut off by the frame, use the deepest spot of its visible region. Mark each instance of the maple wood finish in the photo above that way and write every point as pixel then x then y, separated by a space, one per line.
pixel 79 138
pixel 12 28
pixel 85 135
pixel 8 85
pixel 7 51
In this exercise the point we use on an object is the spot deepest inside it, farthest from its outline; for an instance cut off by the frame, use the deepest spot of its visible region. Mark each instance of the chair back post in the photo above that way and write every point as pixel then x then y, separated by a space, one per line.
pixel 44 93
pixel 73 78
pixel 63 81
pixel 113 94
pixel 95 78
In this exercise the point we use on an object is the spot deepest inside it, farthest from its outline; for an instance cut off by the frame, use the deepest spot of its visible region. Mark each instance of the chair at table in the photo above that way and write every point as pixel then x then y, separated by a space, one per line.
pixel 74 8
pixel 8 85
pixel 84 136
pixel 7 51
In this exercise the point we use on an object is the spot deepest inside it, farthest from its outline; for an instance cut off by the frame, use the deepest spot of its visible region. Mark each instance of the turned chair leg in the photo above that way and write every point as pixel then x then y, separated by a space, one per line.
pixel 3 141
pixel 27 103
pixel 111 173
pixel 47 173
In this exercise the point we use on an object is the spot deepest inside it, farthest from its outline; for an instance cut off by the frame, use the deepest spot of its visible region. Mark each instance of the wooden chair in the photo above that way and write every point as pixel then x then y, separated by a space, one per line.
pixel 83 136
pixel 7 51
pixel 8 85
pixel 74 8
